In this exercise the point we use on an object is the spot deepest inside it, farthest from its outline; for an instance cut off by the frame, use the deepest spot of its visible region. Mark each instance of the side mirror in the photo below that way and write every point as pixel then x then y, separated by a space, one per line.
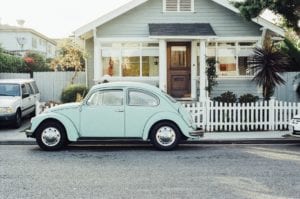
pixel 25 95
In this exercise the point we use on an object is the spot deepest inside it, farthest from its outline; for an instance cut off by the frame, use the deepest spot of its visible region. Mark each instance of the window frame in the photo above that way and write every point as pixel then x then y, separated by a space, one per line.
pixel 178 7
pixel 141 91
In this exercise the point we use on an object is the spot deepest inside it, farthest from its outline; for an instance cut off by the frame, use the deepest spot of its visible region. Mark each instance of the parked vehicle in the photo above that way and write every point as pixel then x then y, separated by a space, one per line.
pixel 17 99
pixel 116 111
pixel 295 125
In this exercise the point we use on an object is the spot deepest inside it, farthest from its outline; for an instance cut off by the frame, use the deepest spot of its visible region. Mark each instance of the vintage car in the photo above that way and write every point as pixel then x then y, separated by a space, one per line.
pixel 119 110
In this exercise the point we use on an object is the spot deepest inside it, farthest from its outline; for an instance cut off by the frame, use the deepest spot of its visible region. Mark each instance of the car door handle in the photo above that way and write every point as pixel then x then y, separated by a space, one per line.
pixel 119 110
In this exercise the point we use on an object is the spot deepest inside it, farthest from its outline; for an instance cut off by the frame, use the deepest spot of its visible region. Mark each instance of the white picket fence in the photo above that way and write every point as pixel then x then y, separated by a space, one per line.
pixel 259 116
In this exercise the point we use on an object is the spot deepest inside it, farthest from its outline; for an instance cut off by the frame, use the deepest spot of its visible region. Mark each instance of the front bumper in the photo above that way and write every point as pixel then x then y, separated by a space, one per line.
pixel 5 118
pixel 197 133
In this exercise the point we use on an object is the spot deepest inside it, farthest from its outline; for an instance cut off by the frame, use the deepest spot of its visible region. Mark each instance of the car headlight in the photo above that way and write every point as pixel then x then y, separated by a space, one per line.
pixel 6 110
pixel 295 121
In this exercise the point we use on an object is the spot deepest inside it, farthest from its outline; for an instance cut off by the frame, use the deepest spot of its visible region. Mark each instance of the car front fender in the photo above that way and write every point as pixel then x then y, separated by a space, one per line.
pixel 71 130
pixel 166 116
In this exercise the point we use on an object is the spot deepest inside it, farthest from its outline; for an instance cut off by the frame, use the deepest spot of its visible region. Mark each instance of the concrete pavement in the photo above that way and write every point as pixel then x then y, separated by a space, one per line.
pixel 9 136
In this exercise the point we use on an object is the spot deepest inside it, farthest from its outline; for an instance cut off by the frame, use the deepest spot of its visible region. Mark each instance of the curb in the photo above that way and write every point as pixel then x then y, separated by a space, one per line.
pixel 134 142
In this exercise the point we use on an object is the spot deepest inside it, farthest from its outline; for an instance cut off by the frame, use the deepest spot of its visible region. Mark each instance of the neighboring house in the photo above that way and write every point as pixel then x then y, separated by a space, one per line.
pixel 17 39
pixel 166 43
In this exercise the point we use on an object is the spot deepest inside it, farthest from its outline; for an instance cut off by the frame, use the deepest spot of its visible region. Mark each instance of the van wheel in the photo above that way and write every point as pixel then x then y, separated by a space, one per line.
pixel 51 136
pixel 18 120
pixel 165 136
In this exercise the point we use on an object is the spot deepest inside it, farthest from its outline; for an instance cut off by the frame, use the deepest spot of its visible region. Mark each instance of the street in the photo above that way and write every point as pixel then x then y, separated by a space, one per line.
pixel 139 171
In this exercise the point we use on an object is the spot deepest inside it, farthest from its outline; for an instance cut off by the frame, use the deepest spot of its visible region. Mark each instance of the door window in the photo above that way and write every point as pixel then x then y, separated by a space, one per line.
pixel 106 98
pixel 178 56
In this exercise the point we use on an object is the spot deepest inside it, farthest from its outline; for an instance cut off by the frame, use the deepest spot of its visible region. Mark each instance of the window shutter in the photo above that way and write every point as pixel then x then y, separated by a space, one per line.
pixel 185 5
pixel 171 5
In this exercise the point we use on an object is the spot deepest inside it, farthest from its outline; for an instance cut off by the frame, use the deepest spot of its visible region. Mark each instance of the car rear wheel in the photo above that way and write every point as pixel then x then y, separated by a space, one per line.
pixel 51 136
pixel 165 136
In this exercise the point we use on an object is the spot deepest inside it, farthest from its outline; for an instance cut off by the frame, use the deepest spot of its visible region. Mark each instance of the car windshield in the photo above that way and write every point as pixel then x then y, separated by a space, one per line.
pixel 9 89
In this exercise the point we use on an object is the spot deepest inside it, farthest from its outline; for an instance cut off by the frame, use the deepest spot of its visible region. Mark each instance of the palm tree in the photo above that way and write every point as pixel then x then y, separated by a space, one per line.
pixel 268 63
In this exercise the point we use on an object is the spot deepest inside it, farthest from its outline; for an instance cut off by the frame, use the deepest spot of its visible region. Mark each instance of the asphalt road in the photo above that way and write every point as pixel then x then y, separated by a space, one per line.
pixel 192 171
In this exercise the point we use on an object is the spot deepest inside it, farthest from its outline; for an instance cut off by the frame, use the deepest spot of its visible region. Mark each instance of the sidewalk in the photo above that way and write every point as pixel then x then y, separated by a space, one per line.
pixel 15 137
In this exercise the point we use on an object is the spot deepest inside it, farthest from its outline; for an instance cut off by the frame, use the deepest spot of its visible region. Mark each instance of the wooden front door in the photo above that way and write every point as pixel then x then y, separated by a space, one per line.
pixel 179 69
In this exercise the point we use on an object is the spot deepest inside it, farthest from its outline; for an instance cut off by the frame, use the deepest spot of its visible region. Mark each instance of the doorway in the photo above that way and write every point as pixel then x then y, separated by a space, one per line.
pixel 179 69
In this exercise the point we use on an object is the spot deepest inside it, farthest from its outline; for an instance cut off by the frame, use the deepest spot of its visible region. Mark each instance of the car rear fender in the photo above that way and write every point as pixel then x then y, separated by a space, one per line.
pixel 72 131
pixel 166 116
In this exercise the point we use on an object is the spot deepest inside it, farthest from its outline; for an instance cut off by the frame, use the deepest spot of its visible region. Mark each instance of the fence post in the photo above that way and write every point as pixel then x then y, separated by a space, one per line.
pixel 272 113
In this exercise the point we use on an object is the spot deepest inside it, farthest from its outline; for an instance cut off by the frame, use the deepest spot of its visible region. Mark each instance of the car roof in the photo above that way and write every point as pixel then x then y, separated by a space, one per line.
pixel 137 85
pixel 16 81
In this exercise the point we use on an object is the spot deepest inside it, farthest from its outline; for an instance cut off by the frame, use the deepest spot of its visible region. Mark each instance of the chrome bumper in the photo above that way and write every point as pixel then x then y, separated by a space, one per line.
pixel 197 133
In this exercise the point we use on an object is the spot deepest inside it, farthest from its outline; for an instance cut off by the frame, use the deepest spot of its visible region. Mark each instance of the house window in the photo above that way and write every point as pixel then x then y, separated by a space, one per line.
pixel 231 57
pixel 34 43
pixel 178 5
pixel 130 59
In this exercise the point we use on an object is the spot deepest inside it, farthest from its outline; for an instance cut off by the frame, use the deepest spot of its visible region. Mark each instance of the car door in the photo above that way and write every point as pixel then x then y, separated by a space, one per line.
pixel 141 105
pixel 36 93
pixel 103 114
pixel 26 105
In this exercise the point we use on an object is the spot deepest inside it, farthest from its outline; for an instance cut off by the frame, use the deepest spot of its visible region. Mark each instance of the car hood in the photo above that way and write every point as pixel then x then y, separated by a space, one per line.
pixel 64 106
pixel 7 101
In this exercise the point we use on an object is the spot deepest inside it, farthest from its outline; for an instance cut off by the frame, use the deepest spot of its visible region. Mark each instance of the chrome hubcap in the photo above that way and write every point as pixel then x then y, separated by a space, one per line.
pixel 51 136
pixel 165 136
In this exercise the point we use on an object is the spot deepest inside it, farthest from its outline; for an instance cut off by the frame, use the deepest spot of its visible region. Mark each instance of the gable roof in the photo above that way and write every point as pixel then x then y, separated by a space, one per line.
pixel 134 3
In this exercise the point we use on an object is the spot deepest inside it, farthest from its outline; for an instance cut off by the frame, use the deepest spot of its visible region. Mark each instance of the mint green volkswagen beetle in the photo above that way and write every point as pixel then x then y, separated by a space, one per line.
pixel 120 110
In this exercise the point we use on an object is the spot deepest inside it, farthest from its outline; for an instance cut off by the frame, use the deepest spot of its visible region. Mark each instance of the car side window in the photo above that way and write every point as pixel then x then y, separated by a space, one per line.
pixel 140 98
pixel 106 98
pixel 29 89
pixel 34 87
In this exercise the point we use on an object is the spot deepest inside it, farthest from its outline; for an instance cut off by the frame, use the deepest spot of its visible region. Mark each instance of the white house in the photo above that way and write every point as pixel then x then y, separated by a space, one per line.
pixel 19 40
pixel 167 43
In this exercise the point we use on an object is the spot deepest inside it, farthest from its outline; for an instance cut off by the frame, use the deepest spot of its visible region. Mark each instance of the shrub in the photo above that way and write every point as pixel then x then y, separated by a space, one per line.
pixel 248 98
pixel 73 93
pixel 227 97
pixel 11 64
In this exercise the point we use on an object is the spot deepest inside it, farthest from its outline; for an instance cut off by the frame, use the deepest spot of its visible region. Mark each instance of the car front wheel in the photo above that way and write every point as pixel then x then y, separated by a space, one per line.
pixel 51 136
pixel 18 120
pixel 165 136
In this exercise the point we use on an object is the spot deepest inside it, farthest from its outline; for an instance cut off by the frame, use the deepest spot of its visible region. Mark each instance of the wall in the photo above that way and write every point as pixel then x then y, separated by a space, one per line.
pixel 135 22
pixel 237 86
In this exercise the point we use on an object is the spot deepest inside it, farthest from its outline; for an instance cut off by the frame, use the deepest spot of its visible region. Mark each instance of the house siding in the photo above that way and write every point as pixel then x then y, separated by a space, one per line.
pixel 237 86
pixel 89 46
pixel 134 23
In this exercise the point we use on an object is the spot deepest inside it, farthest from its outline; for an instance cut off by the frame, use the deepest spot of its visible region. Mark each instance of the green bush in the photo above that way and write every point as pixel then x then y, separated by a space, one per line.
pixel 72 92
pixel 11 64
pixel 227 97
pixel 248 98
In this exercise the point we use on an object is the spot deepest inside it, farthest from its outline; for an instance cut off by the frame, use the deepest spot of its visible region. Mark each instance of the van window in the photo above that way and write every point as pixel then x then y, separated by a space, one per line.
pixel 24 90
pixel 34 87
pixel 29 89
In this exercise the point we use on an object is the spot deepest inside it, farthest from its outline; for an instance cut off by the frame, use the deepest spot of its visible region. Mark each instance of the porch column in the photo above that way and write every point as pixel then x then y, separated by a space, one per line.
pixel 194 71
pixel 202 70
pixel 97 65
pixel 163 65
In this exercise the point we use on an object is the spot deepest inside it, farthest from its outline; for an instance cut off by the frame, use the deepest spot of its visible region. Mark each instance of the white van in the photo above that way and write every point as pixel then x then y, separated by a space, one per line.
pixel 17 99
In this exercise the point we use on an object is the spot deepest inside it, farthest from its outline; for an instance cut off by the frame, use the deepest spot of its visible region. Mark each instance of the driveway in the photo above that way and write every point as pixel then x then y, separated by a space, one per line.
pixel 12 133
